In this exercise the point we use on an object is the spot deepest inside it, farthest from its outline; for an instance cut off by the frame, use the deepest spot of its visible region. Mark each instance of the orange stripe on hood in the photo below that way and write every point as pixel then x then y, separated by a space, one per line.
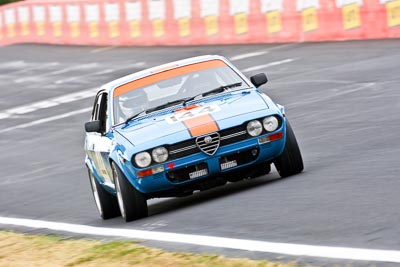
pixel 200 125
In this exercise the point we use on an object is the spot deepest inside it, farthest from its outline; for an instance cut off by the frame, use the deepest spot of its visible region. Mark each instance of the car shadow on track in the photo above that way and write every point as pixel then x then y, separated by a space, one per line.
pixel 173 204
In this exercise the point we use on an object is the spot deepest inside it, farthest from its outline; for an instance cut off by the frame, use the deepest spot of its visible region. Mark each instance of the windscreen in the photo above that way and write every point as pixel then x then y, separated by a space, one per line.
pixel 171 85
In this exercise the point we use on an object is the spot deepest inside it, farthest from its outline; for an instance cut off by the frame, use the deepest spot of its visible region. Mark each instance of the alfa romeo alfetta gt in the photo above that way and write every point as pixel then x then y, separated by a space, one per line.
pixel 189 125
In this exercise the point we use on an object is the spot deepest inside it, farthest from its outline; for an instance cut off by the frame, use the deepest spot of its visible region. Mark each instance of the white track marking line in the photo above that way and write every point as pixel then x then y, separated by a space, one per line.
pixel 271 64
pixel 106 71
pixel 13 64
pixel 76 67
pixel 212 241
pixel 45 120
pixel 51 102
pixel 139 64
pixel 259 53
pixel 73 78
pixel 278 47
pixel 59 71
pixel 102 49
pixel 31 66
pixel 328 96
pixel 248 55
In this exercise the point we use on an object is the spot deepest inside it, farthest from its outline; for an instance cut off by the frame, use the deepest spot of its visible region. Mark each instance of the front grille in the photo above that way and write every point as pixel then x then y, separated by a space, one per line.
pixel 233 135
pixel 209 143
pixel 183 149
pixel 189 147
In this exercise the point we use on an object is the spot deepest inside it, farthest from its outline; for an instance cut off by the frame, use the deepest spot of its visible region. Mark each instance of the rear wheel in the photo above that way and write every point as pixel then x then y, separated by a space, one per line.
pixel 106 203
pixel 290 161
pixel 132 203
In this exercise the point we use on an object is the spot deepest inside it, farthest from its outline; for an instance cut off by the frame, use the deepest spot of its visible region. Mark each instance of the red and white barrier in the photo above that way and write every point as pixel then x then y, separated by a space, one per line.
pixel 194 22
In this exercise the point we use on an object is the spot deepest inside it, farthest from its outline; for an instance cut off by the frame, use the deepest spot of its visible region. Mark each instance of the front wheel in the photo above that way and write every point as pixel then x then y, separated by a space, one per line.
pixel 290 161
pixel 132 203
pixel 106 203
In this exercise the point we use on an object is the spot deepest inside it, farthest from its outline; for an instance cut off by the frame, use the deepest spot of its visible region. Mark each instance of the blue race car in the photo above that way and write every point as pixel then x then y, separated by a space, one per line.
pixel 188 125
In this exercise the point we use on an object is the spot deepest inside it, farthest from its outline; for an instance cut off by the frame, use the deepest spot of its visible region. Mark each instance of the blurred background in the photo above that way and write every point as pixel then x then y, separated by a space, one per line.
pixel 193 22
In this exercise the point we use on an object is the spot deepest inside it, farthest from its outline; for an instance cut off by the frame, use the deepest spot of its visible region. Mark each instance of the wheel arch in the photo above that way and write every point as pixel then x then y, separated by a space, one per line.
pixel 284 127
pixel 281 109
pixel 90 166
pixel 117 157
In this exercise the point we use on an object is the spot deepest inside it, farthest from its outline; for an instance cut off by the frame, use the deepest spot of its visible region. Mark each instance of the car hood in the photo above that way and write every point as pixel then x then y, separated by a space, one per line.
pixel 206 115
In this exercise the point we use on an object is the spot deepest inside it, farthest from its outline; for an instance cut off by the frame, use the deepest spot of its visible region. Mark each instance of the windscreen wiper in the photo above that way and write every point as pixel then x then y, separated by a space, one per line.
pixel 168 104
pixel 147 111
pixel 183 101
pixel 136 115
pixel 217 90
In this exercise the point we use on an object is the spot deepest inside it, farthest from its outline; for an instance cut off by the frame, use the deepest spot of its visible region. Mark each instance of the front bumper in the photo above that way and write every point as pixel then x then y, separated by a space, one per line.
pixel 184 172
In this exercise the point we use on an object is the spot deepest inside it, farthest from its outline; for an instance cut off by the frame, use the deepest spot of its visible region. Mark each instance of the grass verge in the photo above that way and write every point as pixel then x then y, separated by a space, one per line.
pixel 48 250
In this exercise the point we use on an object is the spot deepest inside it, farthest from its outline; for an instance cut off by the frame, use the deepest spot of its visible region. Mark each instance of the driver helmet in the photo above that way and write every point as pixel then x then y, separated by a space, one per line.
pixel 133 103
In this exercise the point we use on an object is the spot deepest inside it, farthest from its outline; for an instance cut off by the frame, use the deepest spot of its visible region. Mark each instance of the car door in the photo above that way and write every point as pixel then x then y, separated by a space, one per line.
pixel 97 145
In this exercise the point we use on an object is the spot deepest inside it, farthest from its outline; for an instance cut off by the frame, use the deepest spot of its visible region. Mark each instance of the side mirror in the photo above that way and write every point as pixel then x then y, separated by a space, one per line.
pixel 93 127
pixel 259 79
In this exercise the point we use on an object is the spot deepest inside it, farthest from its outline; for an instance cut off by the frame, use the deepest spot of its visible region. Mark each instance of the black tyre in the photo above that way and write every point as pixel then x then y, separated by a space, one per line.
pixel 106 203
pixel 290 161
pixel 132 203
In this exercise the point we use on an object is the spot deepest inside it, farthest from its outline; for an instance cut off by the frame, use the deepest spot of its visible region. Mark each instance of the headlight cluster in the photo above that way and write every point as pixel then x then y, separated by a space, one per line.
pixel 158 154
pixel 255 127
pixel 143 159
pixel 270 123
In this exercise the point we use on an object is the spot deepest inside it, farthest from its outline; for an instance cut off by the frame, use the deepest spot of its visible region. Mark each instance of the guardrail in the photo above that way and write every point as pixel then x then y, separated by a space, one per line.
pixel 196 22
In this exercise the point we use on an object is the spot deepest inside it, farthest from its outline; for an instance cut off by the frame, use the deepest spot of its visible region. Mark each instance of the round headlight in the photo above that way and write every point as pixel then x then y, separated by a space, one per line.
pixel 270 123
pixel 143 159
pixel 254 128
pixel 160 154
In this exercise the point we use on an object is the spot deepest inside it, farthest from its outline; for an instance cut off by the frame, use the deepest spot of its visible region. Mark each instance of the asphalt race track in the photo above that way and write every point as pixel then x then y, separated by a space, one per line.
pixel 343 101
